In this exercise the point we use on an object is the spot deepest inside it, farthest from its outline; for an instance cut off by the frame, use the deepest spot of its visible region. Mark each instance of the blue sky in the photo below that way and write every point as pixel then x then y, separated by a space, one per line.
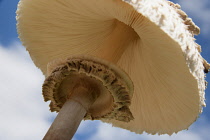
pixel 24 114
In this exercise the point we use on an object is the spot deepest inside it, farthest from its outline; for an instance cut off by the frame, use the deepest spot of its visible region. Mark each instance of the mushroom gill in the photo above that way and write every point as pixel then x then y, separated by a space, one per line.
pixel 96 28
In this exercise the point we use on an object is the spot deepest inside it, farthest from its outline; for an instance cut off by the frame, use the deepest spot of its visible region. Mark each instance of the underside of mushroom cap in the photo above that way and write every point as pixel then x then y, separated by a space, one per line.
pixel 151 40
pixel 114 85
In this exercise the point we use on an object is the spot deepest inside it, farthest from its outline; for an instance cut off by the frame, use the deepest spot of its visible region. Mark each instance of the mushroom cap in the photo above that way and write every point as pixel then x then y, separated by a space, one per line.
pixel 152 41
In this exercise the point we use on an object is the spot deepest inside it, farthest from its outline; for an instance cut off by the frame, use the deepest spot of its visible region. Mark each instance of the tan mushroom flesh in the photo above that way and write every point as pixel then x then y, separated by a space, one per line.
pixel 150 40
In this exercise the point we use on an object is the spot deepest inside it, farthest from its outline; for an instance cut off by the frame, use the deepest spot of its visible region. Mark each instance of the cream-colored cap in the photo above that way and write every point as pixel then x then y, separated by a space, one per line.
pixel 151 40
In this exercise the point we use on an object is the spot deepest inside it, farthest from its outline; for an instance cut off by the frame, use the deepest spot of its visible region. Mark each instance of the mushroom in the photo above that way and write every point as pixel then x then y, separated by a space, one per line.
pixel 132 63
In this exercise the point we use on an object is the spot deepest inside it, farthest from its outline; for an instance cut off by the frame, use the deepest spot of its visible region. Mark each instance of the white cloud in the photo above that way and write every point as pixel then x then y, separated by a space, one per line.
pixel 24 115
pixel 199 11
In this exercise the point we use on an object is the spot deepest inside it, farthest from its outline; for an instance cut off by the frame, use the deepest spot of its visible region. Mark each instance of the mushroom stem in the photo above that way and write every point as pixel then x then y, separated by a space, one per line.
pixel 71 114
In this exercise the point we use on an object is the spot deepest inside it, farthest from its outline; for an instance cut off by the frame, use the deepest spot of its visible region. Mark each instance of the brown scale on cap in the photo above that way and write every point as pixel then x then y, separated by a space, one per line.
pixel 206 69
pixel 176 6
pixel 206 66
pixel 115 93
pixel 194 29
